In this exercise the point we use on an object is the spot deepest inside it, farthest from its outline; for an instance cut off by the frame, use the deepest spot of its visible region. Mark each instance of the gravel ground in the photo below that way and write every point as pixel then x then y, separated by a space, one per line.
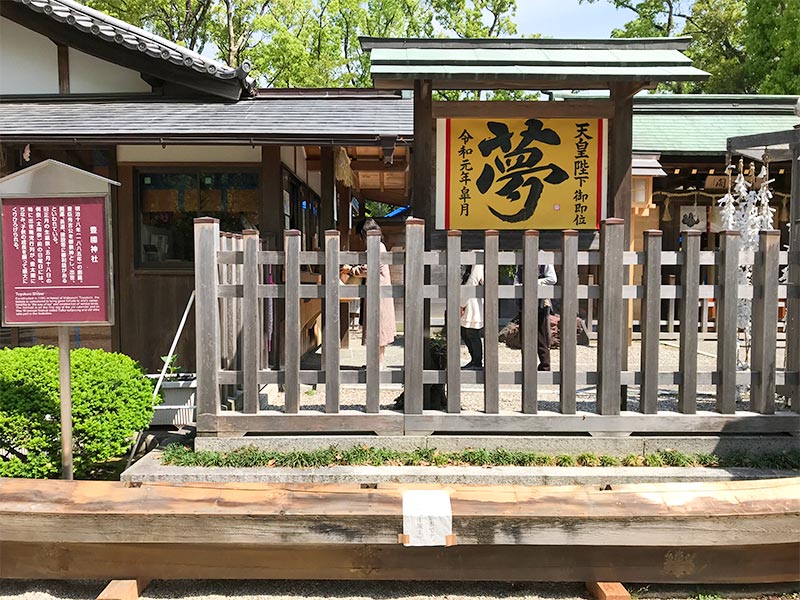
pixel 354 396
pixel 330 590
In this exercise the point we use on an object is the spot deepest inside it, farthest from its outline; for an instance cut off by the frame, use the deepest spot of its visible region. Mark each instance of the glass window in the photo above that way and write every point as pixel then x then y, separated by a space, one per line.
pixel 169 201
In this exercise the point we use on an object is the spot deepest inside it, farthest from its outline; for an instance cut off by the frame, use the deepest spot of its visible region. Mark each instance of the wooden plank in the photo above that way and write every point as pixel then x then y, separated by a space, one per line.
pixel 327 197
pixel 251 334
pixel 529 323
pixel 610 316
pixel 373 320
pixel 423 182
pixel 330 337
pixel 123 589
pixel 206 244
pixel 651 321
pixel 603 590
pixel 766 271
pixel 291 240
pixel 413 320
pixel 727 320
pixel 453 333
pixel 687 359
pixel 63 68
pixel 568 330
pixel 586 109
pixel 713 514
pixel 663 422
pixel 393 562
pixel 491 360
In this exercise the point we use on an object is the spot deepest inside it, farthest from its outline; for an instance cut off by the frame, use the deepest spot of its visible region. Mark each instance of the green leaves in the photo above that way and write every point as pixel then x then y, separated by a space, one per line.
pixel 111 398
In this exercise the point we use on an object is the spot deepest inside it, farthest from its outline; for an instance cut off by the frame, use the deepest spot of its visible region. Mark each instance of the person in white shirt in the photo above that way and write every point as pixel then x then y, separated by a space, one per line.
pixel 472 326
pixel 547 276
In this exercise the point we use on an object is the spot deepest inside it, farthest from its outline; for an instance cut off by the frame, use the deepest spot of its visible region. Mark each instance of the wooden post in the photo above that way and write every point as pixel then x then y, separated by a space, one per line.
pixel 611 317
pixel 291 242
pixel 63 68
pixel 690 286
pixel 453 321
pixel 327 189
pixel 650 322
pixel 330 337
pixel 373 321
pixel 422 157
pixel 530 318
pixel 227 320
pixel 727 320
pixel 207 327
pixel 65 389
pixel 765 322
pixel 569 311
pixel 491 362
pixel 270 209
pixel 793 302
pixel 251 342
pixel 413 317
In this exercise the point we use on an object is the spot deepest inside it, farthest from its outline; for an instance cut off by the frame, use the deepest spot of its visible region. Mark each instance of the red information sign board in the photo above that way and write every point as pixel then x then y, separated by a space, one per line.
pixel 55 261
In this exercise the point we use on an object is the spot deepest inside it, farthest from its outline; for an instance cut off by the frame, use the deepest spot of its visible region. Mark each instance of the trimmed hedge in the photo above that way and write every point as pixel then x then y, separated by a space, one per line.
pixel 111 400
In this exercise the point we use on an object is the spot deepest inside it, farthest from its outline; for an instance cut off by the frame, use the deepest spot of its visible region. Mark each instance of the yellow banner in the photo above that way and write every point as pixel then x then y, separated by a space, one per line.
pixel 521 173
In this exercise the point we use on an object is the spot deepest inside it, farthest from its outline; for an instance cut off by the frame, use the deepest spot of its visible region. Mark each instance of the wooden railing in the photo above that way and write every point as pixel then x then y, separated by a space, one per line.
pixel 231 288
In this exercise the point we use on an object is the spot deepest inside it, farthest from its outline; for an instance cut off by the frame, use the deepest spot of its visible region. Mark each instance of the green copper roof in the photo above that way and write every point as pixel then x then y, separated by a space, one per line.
pixel 528 63
pixel 681 124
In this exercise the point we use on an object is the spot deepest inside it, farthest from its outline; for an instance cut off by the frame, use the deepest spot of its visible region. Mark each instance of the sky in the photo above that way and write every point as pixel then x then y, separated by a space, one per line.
pixel 568 19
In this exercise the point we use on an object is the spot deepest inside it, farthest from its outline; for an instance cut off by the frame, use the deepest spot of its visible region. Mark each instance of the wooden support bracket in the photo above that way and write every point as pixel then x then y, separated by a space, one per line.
pixel 124 589
pixel 603 590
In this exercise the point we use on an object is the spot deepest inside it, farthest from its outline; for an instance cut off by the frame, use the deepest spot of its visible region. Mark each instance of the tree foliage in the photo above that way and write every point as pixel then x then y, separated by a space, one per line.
pixel 747 46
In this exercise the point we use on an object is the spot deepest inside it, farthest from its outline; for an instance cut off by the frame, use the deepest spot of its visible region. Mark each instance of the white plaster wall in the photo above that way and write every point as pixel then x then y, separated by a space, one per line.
pixel 28 61
pixel 301 168
pixel 287 157
pixel 89 75
pixel 188 154
pixel 315 181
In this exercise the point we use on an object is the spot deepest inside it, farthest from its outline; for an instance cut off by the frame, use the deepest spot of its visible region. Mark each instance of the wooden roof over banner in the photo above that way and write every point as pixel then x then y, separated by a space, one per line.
pixel 529 63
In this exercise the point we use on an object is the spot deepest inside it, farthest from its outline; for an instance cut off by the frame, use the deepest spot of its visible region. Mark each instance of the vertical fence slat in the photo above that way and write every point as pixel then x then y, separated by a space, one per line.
pixel 530 317
pixel 765 322
pixel 292 320
pixel 226 317
pixel 373 321
pixel 330 338
pixel 727 320
pixel 238 245
pixel 413 319
pixel 611 316
pixel 650 321
pixel 251 333
pixel 690 286
pixel 491 363
pixel 793 305
pixel 453 333
pixel 206 243
pixel 569 311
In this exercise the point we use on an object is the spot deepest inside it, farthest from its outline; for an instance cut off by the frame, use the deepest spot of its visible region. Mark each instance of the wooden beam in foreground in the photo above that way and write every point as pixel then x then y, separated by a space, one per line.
pixel 188 560
pixel 730 513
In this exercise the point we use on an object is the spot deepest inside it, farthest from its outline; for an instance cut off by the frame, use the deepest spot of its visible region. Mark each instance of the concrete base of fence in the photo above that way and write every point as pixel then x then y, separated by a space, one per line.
pixel 150 469
pixel 611 445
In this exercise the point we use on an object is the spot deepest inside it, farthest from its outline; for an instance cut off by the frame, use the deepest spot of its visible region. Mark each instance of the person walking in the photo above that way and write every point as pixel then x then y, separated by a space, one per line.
pixel 547 276
pixel 388 327
pixel 472 325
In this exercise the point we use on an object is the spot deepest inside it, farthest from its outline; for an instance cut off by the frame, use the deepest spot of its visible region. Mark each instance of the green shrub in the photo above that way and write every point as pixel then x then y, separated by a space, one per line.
pixel 111 399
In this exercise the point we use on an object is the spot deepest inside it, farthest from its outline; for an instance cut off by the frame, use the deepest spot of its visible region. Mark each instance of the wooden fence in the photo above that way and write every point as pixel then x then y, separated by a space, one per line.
pixel 235 302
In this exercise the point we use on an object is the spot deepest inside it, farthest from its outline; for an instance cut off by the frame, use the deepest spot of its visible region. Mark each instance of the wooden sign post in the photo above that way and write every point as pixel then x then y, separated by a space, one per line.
pixel 55 234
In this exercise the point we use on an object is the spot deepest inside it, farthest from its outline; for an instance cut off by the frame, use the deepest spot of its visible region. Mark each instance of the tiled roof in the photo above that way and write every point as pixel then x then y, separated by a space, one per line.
pixel 115 31
pixel 313 121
